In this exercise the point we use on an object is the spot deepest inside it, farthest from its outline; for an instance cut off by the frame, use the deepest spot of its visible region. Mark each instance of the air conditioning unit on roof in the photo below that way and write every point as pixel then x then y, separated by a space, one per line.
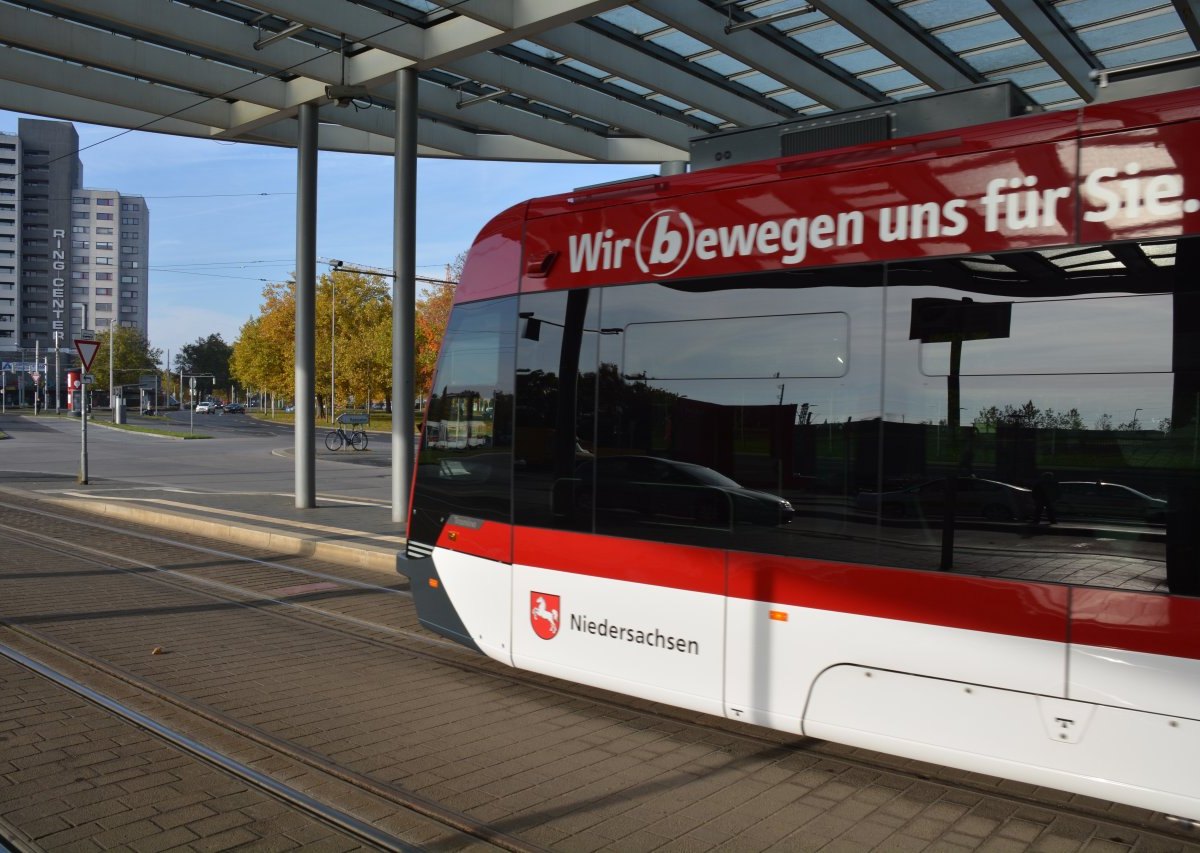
pixel 973 105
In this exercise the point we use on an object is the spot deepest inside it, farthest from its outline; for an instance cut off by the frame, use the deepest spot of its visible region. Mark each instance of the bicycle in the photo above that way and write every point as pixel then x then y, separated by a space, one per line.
pixel 336 439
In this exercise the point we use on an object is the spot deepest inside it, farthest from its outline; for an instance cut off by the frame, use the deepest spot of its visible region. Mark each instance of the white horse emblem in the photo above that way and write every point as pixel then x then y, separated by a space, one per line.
pixel 543 612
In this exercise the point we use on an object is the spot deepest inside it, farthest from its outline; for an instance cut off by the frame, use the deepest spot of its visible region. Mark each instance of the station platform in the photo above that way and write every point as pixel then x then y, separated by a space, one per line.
pixel 347 532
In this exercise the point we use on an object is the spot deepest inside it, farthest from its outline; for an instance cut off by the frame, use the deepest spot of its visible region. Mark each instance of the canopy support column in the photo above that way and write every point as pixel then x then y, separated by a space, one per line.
pixel 404 295
pixel 306 290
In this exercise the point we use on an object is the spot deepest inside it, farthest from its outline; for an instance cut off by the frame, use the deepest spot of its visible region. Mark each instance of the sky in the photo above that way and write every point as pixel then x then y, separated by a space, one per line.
pixel 223 215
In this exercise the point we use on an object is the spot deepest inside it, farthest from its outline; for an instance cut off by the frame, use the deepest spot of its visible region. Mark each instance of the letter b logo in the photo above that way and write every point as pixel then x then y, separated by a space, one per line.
pixel 664 242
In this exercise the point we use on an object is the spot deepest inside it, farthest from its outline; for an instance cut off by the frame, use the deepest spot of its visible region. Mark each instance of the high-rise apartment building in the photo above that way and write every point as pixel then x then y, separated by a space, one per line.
pixel 70 258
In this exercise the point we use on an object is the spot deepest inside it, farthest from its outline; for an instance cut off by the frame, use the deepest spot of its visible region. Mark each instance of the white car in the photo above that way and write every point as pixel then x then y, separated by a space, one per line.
pixel 206 407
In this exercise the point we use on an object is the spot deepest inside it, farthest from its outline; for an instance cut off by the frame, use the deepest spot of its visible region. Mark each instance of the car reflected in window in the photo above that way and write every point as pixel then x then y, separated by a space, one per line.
pixel 974 497
pixel 667 491
pixel 1108 502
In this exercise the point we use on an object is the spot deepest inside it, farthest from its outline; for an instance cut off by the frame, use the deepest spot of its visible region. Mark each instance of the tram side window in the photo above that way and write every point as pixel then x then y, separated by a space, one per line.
pixel 465 461
pixel 555 399
pixel 1042 416
pixel 722 407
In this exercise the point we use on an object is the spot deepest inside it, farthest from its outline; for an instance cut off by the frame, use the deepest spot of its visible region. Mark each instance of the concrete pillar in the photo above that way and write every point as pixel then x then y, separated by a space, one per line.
pixel 404 292
pixel 306 303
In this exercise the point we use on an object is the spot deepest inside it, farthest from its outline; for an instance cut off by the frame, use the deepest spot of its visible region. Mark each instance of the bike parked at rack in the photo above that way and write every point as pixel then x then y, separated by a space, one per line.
pixel 357 438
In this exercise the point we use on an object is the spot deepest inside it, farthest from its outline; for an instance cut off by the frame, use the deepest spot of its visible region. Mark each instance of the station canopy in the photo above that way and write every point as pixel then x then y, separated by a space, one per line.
pixel 551 80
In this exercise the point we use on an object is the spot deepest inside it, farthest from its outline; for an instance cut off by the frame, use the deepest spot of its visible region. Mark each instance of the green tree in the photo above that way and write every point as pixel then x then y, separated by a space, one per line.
pixel 132 356
pixel 207 355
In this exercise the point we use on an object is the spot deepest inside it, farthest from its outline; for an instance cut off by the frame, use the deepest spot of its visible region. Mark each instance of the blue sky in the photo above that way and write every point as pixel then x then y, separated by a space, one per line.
pixel 223 215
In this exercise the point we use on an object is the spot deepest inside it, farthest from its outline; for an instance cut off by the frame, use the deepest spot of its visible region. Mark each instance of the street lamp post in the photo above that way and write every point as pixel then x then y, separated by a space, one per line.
pixel 57 390
pixel 335 265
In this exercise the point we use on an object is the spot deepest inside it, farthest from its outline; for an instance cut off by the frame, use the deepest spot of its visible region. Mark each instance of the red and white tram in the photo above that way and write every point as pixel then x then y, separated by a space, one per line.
pixel 894 445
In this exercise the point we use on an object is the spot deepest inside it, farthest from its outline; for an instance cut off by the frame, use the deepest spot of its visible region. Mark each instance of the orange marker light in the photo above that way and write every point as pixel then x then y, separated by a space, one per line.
pixel 778 616
pixel 433 582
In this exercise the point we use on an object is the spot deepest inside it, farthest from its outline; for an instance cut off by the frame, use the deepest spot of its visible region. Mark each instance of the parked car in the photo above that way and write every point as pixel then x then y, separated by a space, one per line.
pixel 1108 501
pixel 673 492
pixel 234 408
pixel 974 497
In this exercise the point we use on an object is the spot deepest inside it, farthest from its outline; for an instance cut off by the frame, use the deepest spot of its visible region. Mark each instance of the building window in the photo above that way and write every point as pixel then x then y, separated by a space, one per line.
pixel 100 229
pixel 80 291
pixel 103 276
pixel 129 309
pixel 130 235
pixel 80 259
pixel 80 214
pixel 107 246
pixel 130 220
pixel 130 265
pixel 6 333
pixel 130 205
pixel 129 279
pixel 102 322
pixel 80 199
pixel 79 274
pixel 79 229
pixel 104 216
pixel 104 202
pixel 104 260
pixel 129 250
pixel 104 306
pixel 129 294
pixel 104 291
pixel 75 244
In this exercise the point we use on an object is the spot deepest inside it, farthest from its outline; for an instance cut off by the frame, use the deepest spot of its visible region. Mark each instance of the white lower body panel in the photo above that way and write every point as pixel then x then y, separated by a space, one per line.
pixel 1146 760
pixel 480 590
pixel 665 645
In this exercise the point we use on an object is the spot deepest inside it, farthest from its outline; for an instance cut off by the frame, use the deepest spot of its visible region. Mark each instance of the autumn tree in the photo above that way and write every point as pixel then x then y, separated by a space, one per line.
pixel 264 355
pixel 433 314
pixel 352 336
pixel 354 310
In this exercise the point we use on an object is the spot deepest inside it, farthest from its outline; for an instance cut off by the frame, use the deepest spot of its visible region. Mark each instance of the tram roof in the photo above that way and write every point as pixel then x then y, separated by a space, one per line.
pixel 552 80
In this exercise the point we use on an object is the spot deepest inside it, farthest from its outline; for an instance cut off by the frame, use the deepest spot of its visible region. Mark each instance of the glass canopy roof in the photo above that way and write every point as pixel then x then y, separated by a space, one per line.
pixel 555 80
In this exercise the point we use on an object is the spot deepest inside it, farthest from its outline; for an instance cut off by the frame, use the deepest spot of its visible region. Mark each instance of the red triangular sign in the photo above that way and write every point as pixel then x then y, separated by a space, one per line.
pixel 87 352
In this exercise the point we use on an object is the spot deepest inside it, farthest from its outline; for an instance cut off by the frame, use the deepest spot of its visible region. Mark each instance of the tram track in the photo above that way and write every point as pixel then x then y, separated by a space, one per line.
pixel 415 643
pixel 337 819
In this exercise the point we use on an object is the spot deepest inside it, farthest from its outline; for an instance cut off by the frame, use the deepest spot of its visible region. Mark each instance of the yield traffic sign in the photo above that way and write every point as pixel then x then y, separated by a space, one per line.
pixel 87 352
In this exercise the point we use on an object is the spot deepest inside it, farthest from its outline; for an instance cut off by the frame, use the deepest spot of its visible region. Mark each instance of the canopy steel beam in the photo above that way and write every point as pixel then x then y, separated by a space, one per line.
pixel 884 30
pixel 364 26
pixel 1189 13
pixel 624 61
pixel 36 100
pixel 1046 33
pixel 804 74
pixel 235 39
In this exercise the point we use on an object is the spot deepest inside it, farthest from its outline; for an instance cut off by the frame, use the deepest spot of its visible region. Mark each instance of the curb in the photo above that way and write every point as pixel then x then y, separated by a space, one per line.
pixel 372 558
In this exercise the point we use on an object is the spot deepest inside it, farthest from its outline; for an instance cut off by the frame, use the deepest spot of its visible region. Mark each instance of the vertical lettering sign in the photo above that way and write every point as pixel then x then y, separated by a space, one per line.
pixel 58 285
